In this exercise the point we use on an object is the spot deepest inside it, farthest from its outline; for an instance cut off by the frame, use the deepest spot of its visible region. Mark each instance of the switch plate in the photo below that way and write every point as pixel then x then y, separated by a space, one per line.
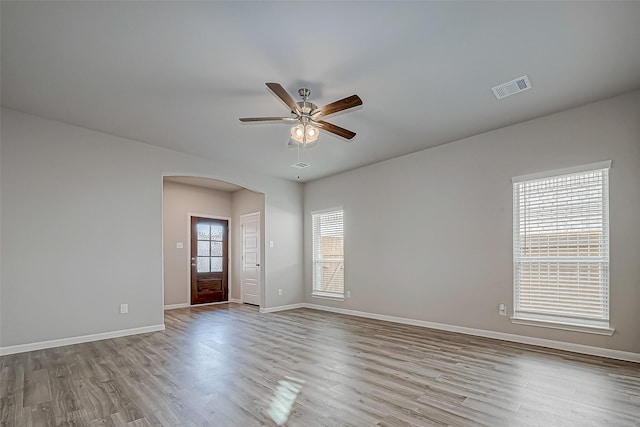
pixel 270 243
pixel 280 291
pixel 502 310
pixel 124 308
pixel 179 245
pixel 348 294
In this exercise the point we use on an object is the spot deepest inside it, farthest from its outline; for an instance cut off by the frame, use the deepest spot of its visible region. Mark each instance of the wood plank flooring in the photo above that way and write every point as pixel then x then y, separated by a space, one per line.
pixel 229 365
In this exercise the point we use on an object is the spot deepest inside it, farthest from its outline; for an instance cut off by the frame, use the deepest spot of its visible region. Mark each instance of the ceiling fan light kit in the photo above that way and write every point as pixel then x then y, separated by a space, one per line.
pixel 305 135
pixel 306 132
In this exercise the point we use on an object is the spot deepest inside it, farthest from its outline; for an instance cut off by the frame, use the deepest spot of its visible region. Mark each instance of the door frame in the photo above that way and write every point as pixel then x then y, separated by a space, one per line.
pixel 188 257
pixel 261 249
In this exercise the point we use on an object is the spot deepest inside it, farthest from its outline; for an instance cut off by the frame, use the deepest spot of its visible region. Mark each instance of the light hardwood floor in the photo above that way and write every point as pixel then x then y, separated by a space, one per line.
pixel 229 365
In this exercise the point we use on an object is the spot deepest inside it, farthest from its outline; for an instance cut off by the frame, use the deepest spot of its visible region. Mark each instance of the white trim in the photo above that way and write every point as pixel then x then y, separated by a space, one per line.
pixel 186 304
pixel 236 300
pixel 229 251
pixel 283 307
pixel 590 329
pixel 174 306
pixel 190 214
pixel 333 209
pixel 21 348
pixel 565 171
pixel 558 345
pixel 328 295
pixel 209 303
pixel 249 214
pixel 162 238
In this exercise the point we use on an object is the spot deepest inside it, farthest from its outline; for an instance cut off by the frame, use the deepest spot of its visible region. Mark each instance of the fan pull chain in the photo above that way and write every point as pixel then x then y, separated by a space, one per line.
pixel 298 158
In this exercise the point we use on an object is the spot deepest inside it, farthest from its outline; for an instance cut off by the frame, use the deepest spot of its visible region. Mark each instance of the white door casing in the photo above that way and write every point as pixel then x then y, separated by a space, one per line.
pixel 250 281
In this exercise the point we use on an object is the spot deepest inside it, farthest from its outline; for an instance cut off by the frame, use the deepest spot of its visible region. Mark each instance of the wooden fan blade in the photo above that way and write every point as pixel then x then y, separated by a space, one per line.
pixel 343 104
pixel 281 93
pixel 266 119
pixel 347 134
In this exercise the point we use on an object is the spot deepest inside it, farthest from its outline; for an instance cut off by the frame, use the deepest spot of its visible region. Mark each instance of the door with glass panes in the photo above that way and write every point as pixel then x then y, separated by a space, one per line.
pixel 209 251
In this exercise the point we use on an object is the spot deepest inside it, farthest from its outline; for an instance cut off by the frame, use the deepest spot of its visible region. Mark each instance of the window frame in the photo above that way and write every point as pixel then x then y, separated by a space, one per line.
pixel 551 320
pixel 318 293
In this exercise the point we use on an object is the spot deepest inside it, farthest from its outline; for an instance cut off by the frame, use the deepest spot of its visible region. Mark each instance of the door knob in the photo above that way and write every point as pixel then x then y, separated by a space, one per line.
pixel 193 265
pixel 257 265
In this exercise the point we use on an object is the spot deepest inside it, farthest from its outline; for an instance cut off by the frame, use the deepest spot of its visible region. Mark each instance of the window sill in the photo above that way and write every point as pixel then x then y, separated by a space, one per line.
pixel 590 329
pixel 327 295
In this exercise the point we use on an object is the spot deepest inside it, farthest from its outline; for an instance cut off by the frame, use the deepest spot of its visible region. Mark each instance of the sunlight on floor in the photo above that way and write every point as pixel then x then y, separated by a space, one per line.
pixel 285 395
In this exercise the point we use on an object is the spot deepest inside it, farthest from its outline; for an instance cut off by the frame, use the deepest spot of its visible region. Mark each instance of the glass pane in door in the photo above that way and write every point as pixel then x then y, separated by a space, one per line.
pixel 216 264
pixel 203 264
pixel 203 232
pixel 203 248
pixel 216 248
pixel 217 232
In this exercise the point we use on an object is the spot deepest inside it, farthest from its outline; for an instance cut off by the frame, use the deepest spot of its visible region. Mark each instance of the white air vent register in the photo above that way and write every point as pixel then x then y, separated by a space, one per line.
pixel 300 165
pixel 511 88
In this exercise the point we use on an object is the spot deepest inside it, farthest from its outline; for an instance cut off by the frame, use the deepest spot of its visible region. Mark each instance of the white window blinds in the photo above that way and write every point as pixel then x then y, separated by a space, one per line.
pixel 328 253
pixel 561 247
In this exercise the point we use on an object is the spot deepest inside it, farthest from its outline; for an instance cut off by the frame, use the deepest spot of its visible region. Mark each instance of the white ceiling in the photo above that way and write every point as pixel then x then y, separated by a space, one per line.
pixel 179 75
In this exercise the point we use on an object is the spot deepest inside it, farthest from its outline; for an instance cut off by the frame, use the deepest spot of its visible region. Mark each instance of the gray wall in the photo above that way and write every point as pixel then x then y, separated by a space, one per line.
pixel 428 236
pixel 178 202
pixel 82 229
pixel 283 261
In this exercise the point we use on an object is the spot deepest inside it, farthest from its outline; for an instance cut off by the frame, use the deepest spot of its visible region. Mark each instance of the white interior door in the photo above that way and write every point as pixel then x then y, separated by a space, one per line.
pixel 251 258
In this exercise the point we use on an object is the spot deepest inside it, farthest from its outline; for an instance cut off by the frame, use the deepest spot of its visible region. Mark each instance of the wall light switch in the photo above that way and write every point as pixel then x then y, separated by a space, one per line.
pixel 348 294
pixel 124 308
pixel 502 310
pixel 270 243
pixel 179 245
pixel 279 291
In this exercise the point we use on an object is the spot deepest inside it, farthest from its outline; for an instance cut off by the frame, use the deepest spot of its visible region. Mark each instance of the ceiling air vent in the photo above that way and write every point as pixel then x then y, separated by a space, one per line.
pixel 511 88
pixel 300 165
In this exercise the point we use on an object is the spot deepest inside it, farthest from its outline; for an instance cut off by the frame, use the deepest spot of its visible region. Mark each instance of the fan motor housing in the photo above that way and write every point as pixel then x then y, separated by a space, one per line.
pixel 306 107
pixel 304 92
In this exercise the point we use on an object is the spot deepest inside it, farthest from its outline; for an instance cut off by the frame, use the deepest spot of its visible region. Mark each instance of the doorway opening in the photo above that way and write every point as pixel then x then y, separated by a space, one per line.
pixel 209 260
pixel 251 279
pixel 187 197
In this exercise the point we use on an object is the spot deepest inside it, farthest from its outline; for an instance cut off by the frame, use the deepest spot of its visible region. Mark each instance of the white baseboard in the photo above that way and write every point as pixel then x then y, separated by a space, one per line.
pixel 558 345
pixel 186 304
pixel 282 308
pixel 174 306
pixel 21 348
pixel 208 303
pixel 236 300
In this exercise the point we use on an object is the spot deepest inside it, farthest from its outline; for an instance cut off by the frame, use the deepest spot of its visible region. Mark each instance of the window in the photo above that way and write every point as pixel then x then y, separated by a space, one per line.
pixel 561 249
pixel 328 254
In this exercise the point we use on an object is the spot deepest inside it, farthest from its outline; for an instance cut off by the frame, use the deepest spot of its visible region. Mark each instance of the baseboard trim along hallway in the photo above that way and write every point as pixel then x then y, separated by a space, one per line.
pixel 21 348
pixel 521 339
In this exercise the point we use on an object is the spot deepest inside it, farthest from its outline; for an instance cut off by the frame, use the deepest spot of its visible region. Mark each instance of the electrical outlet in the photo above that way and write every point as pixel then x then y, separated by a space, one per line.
pixel 280 291
pixel 502 310
pixel 124 308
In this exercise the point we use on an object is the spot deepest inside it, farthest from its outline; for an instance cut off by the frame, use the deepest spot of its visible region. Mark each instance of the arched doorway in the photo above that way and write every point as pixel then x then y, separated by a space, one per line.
pixel 187 197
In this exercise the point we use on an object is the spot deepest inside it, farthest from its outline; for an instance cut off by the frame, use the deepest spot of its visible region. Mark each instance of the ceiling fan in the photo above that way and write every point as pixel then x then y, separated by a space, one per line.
pixel 308 116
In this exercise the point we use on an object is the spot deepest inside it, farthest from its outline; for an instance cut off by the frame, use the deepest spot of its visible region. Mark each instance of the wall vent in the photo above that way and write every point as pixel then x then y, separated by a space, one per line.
pixel 511 88
pixel 300 165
